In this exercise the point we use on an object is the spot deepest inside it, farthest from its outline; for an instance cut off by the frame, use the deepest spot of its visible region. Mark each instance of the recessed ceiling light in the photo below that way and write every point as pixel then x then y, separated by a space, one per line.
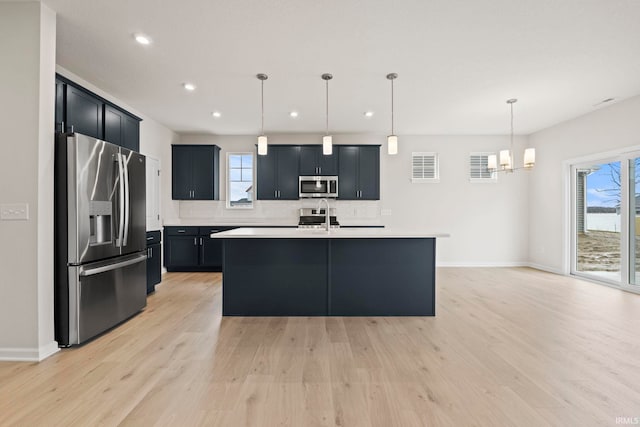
pixel 142 39
pixel 189 86
pixel 293 114
pixel 216 114
pixel 368 114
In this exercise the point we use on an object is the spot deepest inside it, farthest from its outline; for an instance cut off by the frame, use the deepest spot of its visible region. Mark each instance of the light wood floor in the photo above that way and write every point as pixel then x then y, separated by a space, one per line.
pixel 507 347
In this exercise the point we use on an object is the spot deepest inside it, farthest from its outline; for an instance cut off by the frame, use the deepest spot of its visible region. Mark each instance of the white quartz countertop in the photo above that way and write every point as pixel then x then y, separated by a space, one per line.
pixel 273 223
pixel 340 233
pixel 231 223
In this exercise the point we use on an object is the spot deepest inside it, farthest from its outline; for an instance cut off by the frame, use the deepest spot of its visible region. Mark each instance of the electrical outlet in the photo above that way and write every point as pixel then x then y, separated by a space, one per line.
pixel 385 212
pixel 14 211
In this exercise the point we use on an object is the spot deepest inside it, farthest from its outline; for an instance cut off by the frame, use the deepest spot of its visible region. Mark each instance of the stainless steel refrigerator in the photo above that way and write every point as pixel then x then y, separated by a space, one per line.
pixel 100 237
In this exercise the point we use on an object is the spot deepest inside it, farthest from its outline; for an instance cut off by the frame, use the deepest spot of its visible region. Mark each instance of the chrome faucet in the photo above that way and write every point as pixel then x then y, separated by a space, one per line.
pixel 327 218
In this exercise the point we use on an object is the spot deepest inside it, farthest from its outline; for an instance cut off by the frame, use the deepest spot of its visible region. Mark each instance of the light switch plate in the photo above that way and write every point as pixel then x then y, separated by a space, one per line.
pixel 14 211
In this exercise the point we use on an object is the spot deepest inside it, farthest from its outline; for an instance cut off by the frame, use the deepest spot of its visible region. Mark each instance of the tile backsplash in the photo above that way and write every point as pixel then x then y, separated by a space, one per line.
pixel 348 212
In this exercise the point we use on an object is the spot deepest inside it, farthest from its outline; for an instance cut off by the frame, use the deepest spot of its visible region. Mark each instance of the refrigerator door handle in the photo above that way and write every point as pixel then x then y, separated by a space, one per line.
pixel 121 207
pixel 127 199
pixel 117 265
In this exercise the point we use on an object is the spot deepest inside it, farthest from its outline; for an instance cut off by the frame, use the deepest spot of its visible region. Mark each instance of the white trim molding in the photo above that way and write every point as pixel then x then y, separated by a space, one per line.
pixel 547 269
pixel 483 264
pixel 29 354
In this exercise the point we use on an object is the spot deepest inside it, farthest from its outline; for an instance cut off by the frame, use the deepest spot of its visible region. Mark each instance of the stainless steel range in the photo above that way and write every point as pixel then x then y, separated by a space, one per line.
pixel 316 218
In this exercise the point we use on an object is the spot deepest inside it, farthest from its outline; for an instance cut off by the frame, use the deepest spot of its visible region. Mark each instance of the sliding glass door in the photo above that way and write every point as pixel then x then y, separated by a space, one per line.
pixel 606 220
pixel 598 220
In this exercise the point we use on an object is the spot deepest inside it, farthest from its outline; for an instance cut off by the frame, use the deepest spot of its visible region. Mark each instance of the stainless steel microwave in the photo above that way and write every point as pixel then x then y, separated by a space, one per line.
pixel 318 186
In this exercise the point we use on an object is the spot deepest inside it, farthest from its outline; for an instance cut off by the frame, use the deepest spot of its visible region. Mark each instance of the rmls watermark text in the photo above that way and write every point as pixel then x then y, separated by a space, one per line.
pixel 629 421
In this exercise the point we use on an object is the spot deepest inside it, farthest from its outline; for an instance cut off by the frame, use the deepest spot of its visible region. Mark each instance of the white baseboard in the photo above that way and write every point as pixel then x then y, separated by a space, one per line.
pixel 483 264
pixel 546 268
pixel 29 354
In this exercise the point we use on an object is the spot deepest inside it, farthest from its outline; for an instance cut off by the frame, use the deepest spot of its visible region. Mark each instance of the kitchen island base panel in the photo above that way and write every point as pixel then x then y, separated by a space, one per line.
pixel 329 277
pixel 382 277
pixel 274 277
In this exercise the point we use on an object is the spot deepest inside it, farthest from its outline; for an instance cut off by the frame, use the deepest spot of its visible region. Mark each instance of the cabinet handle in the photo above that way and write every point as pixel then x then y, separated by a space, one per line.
pixel 182 231
pixel 151 252
pixel 201 241
pixel 279 195
pixel 275 194
pixel 195 241
pixel 320 170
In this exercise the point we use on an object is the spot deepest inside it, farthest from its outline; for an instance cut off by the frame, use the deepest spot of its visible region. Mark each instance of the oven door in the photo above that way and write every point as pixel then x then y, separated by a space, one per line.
pixel 313 186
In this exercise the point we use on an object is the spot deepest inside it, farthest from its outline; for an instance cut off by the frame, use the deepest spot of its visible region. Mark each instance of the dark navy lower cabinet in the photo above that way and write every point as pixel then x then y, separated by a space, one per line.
pixel 275 277
pixel 329 277
pixel 154 260
pixel 192 248
pixel 382 277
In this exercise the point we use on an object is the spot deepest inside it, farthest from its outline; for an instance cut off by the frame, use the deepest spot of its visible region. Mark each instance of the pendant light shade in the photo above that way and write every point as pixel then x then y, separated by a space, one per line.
pixel 392 140
pixel 392 144
pixel 505 159
pixel 327 140
pixel 327 145
pixel 492 162
pixel 262 139
pixel 529 157
pixel 262 145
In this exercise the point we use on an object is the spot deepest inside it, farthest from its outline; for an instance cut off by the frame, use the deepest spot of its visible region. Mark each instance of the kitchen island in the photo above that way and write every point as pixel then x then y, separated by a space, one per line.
pixel 344 272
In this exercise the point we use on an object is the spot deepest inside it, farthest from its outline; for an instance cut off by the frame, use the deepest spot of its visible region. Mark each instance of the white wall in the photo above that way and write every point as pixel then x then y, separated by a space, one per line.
pixel 487 222
pixel 27 49
pixel 607 129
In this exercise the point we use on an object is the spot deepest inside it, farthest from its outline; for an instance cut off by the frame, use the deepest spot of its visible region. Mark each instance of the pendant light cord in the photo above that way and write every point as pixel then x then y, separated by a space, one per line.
pixel 327 118
pixel 392 132
pixel 262 106
pixel 511 105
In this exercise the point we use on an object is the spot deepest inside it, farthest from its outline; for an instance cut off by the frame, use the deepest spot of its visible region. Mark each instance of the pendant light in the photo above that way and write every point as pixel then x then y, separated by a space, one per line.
pixel 327 140
pixel 392 140
pixel 262 139
pixel 506 156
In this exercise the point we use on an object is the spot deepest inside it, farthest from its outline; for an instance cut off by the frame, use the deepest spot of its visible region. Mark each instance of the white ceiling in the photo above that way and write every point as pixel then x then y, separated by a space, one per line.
pixel 458 61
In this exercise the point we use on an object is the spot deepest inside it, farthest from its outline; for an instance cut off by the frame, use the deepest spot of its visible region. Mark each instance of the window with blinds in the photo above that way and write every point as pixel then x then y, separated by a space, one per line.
pixel 478 171
pixel 424 167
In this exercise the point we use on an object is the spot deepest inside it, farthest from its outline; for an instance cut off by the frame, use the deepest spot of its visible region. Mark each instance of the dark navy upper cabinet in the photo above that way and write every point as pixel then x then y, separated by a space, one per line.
pixel 278 173
pixel 313 162
pixel 195 172
pixel 348 185
pixel 359 172
pixel 205 172
pixel 369 172
pixel 121 128
pixel 82 111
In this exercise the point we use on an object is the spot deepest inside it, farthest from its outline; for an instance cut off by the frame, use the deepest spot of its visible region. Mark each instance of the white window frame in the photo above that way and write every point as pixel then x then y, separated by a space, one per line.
pixel 494 175
pixel 253 179
pixel 436 162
